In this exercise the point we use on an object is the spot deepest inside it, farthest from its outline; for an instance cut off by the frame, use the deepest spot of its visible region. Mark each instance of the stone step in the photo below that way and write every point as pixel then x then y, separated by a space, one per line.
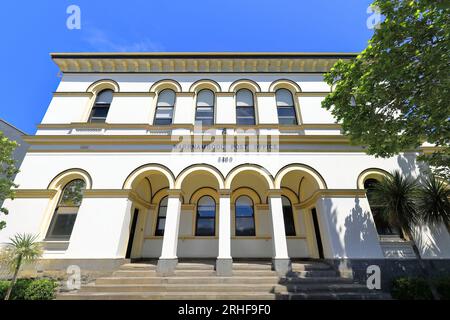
pixel 252 266
pixel 301 280
pixel 312 274
pixel 296 266
pixel 333 296
pixel 138 266
pixel 220 287
pixel 186 280
pixel 196 273
pixel 195 266
pixel 166 296
pixel 222 296
pixel 320 287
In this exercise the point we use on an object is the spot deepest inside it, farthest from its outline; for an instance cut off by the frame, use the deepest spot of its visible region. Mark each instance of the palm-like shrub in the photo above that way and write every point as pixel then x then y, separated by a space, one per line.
pixel 406 203
pixel 22 249
pixel 433 201
pixel 395 195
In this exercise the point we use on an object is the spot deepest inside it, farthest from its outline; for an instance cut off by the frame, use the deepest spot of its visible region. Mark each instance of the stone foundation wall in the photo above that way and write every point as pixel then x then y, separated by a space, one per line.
pixel 390 269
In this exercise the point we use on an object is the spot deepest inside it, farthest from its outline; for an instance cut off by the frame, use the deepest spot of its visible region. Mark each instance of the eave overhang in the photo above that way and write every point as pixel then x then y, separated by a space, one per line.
pixel 205 62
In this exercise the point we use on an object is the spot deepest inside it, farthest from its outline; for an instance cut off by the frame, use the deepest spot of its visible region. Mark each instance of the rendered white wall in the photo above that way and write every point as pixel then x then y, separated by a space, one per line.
pixel 347 228
pixel 312 112
pixel 101 229
pixel 128 109
pixel 25 216
pixel 66 110
pixel 267 109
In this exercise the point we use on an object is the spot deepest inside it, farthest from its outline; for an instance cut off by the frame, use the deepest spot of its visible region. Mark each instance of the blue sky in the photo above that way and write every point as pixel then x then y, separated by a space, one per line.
pixel 30 30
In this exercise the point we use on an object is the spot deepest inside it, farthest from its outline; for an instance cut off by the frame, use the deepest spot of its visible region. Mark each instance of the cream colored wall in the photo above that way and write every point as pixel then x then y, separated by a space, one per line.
pixel 135 104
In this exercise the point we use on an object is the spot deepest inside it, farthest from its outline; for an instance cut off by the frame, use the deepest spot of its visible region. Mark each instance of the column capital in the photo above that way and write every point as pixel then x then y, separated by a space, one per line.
pixel 224 192
pixel 274 193
pixel 174 193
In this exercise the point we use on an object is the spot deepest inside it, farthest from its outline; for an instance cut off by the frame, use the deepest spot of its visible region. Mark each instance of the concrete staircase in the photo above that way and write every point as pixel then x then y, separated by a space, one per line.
pixel 253 280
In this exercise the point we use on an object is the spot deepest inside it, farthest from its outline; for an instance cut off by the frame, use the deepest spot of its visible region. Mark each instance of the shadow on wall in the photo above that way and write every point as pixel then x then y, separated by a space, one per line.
pixel 424 237
pixel 353 232
pixel 357 220
pixel 408 164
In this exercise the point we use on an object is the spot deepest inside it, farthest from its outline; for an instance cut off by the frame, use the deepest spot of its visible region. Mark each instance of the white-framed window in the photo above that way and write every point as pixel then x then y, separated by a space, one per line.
pixel 204 112
pixel 285 107
pixel 245 107
pixel 245 216
pixel 101 106
pixel 165 107
pixel 206 217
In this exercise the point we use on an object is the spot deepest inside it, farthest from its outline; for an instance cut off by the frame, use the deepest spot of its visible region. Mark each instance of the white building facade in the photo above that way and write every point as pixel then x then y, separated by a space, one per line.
pixel 215 156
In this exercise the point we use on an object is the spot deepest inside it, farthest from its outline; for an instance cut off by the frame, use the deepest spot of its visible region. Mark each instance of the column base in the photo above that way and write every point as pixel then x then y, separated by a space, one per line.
pixel 224 267
pixel 282 266
pixel 166 266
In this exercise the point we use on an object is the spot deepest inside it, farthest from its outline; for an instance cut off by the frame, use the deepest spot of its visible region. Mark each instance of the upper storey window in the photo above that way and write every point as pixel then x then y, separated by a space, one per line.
pixel 205 107
pixel 101 106
pixel 164 107
pixel 285 107
pixel 245 107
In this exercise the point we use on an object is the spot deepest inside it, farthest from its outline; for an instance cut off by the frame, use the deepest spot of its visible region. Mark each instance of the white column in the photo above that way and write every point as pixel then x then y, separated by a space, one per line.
pixel 168 260
pixel 281 262
pixel 224 264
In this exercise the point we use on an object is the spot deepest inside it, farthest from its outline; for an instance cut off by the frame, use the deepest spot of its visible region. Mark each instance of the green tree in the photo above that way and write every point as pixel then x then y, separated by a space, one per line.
pixel 22 249
pixel 393 96
pixel 7 172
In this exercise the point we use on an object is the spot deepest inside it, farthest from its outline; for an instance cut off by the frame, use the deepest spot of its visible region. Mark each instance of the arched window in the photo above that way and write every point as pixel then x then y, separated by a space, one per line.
pixel 285 107
pixel 245 217
pixel 164 107
pixel 288 215
pixel 245 107
pixel 205 107
pixel 206 217
pixel 383 227
pixel 161 220
pixel 101 106
pixel 66 212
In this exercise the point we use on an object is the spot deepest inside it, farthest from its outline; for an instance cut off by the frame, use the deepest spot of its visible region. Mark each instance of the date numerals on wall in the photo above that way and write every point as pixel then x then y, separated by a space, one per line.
pixel 225 159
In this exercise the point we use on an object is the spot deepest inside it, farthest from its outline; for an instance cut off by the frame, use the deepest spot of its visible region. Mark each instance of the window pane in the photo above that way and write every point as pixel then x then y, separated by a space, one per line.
pixel 99 111
pixel 205 98
pixel 205 227
pixel 244 98
pixel 287 120
pixel 246 121
pixel 288 215
pixel 62 226
pixel 73 193
pixel 163 115
pixel 284 98
pixel 245 220
pixel 245 226
pixel 160 227
pixel 205 112
pixel 163 122
pixel 164 112
pixel 245 112
pixel 166 98
pixel 286 112
pixel 104 97
pixel 162 207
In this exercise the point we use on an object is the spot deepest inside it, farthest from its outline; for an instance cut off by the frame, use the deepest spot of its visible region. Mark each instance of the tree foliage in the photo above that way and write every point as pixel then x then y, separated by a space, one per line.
pixel 394 96
pixel 7 172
